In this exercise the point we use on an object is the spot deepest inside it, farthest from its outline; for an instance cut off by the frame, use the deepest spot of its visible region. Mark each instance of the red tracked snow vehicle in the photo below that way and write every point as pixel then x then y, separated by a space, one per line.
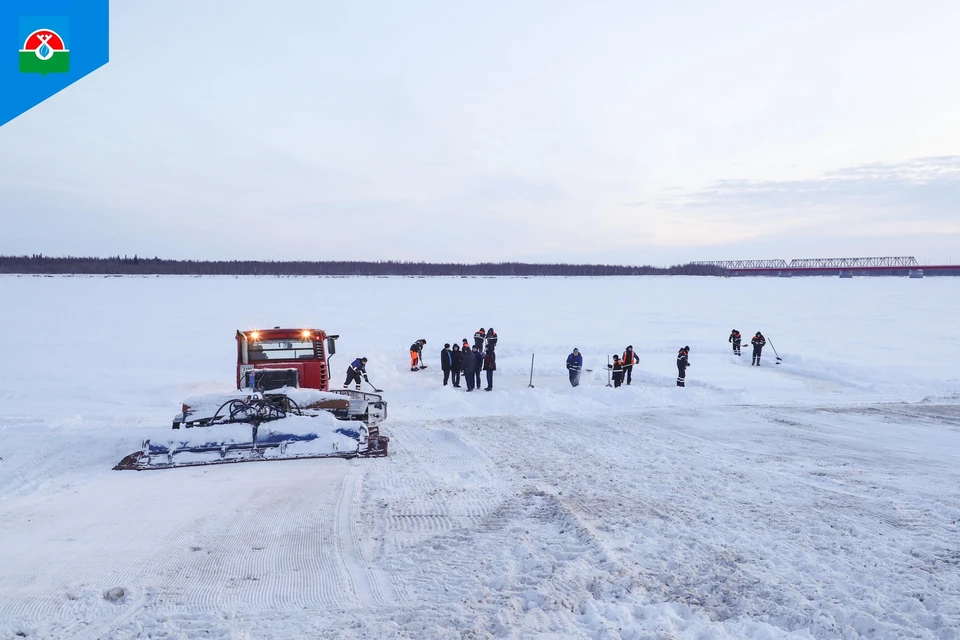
pixel 283 409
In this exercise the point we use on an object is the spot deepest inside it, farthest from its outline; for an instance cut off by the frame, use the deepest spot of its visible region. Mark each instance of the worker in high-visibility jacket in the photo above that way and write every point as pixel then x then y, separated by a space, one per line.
pixel 356 371
pixel 734 339
pixel 628 360
pixel 758 342
pixel 683 361
pixel 416 362
pixel 574 366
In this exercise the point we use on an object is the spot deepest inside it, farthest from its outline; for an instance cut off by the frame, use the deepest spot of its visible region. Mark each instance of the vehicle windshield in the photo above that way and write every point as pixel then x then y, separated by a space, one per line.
pixel 280 350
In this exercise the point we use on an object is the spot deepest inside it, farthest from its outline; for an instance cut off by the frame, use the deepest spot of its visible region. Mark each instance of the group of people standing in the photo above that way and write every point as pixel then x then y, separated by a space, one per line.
pixel 621 368
pixel 470 361
pixel 462 359
pixel 758 342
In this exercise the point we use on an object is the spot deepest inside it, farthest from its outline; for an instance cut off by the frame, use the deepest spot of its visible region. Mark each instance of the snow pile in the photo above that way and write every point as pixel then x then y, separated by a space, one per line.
pixel 237 433
pixel 207 404
pixel 305 397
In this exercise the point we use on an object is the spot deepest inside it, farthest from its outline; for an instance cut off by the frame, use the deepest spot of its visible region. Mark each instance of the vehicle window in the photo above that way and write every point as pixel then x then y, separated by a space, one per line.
pixel 280 350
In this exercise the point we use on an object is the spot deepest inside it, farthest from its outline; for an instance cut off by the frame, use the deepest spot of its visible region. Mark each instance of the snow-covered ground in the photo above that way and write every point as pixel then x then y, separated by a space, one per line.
pixel 815 499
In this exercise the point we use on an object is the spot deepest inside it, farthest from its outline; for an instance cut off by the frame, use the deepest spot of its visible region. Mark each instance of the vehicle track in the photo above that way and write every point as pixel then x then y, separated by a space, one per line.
pixel 369 586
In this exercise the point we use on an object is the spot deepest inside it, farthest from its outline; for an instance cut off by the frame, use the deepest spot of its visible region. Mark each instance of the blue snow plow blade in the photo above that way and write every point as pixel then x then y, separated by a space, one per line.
pixel 271 439
pixel 256 443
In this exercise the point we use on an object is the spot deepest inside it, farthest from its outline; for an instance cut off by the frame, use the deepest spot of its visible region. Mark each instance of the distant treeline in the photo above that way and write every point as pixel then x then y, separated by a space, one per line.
pixel 70 265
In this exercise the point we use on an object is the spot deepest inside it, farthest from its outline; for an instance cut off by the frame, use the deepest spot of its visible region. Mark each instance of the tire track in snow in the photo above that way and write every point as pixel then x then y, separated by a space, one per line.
pixel 297 565
pixel 438 485
pixel 427 497
pixel 379 582
pixel 365 591
pixel 247 542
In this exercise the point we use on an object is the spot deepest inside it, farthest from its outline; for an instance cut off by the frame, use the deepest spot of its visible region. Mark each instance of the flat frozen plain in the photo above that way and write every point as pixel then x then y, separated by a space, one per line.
pixel 815 499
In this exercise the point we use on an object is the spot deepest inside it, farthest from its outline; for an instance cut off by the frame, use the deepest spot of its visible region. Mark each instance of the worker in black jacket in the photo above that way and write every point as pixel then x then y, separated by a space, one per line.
pixel 470 368
pixel 479 337
pixel 617 368
pixel 356 371
pixel 446 362
pixel 478 358
pixel 758 342
pixel 491 339
pixel 683 361
pixel 489 365
pixel 735 341
pixel 574 365
pixel 456 365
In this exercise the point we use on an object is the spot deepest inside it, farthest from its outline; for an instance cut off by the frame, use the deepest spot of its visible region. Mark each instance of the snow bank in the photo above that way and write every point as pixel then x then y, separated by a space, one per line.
pixel 810 499
pixel 208 403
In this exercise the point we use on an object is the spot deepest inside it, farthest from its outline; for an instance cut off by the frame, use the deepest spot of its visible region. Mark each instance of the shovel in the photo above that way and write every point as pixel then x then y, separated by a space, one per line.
pixel 779 359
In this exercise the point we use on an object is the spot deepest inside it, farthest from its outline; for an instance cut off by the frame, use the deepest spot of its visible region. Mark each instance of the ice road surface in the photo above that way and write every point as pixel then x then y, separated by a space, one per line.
pixel 815 499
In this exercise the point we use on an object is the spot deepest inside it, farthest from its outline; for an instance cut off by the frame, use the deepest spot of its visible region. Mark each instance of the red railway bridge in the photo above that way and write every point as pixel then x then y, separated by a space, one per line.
pixel 843 267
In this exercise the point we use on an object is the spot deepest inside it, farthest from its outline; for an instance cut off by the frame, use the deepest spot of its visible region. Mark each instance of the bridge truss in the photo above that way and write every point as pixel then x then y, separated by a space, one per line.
pixel 900 262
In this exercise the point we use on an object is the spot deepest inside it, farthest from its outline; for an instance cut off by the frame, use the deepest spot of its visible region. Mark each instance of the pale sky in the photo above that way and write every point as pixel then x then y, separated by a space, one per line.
pixel 619 132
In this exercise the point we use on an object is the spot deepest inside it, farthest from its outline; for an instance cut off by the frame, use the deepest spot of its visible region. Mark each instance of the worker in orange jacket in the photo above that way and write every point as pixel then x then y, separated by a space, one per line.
pixel 735 341
pixel 617 370
pixel 758 342
pixel 416 362
pixel 629 359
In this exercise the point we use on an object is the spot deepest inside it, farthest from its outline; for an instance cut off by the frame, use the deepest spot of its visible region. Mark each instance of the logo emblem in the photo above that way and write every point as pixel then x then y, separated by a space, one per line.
pixel 44 48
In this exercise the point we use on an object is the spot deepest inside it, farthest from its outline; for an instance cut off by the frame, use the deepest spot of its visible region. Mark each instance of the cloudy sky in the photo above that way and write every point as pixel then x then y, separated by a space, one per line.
pixel 625 132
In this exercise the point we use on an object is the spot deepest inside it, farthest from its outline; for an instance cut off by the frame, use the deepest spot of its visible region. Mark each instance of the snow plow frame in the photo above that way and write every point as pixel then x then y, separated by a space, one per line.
pixel 286 404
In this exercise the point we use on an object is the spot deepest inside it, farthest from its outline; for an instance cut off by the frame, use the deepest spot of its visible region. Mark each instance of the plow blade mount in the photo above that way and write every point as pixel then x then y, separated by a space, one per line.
pixel 289 438
pixel 246 405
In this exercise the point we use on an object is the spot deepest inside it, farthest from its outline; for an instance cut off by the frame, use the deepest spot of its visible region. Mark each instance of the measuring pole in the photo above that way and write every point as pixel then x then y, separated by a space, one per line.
pixel 530 386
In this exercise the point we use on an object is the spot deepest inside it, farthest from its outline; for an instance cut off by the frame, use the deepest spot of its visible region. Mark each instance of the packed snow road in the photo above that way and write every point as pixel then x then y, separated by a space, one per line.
pixel 817 499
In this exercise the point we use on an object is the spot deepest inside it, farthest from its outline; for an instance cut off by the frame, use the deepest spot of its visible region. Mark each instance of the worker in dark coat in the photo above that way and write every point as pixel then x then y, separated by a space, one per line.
pixel 479 337
pixel 416 360
pixel 456 365
pixel 735 341
pixel 491 339
pixel 470 368
pixel 446 362
pixel 617 368
pixel 629 359
pixel 683 361
pixel 574 366
pixel 758 342
pixel 478 358
pixel 356 371
pixel 489 365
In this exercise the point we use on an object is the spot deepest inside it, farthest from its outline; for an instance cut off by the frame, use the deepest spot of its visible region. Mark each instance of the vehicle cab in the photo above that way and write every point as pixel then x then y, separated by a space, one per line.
pixel 274 358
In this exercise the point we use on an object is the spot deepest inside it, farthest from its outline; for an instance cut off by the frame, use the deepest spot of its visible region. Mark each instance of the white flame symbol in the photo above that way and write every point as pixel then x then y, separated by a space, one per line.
pixel 44 51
